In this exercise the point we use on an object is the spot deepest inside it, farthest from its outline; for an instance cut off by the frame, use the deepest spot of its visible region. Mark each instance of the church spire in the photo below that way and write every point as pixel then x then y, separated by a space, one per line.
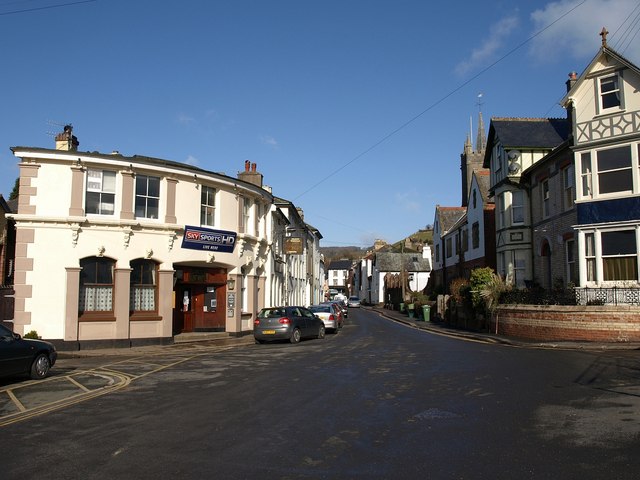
pixel 481 141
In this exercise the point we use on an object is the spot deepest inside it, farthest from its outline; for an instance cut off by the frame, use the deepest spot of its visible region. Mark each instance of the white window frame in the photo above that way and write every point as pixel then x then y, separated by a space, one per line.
pixel 208 206
pixel 246 215
pixel 517 208
pixel 501 211
pixel 615 80
pixel 619 255
pixel 591 175
pixel 101 183
pixel 519 268
pixel 147 198
pixel 568 184
pixel 570 261
pixel 545 197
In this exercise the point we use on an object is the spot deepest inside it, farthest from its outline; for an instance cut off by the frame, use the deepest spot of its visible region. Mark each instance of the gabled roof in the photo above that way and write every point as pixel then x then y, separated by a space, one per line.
pixel 340 265
pixel 525 133
pixel 483 178
pixel 603 52
pixel 392 262
pixel 6 205
pixel 448 217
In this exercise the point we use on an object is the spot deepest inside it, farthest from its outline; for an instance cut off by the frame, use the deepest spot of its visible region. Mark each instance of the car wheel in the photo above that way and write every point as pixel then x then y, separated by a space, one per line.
pixel 40 367
pixel 295 336
pixel 321 332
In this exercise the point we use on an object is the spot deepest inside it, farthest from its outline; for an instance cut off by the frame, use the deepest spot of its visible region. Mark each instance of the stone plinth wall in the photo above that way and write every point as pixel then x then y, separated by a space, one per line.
pixel 607 323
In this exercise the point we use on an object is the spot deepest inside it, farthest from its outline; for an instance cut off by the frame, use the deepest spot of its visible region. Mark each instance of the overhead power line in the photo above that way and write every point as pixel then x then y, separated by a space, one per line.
pixel 437 102
pixel 48 7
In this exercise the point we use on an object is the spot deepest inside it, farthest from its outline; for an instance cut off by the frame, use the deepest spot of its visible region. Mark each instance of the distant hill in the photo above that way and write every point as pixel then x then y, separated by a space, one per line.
pixel 416 240
pixel 342 253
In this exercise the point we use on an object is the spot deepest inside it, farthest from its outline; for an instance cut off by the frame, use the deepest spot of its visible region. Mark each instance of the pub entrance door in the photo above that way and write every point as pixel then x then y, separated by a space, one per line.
pixel 200 300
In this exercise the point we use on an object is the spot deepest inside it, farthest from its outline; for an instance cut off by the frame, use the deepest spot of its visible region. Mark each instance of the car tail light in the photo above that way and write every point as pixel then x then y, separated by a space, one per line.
pixel 284 321
pixel 256 322
pixel 332 318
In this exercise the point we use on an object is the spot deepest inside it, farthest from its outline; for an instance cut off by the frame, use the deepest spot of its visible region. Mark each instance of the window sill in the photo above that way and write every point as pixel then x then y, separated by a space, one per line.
pixel 609 113
pixel 145 317
pixel 96 317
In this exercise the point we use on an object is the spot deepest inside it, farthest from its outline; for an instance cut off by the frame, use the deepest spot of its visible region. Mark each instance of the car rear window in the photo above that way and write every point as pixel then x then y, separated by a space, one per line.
pixel 320 309
pixel 272 312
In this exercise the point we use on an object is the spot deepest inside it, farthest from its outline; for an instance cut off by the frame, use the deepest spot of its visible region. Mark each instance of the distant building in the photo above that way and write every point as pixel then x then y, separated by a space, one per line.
pixel 338 274
pixel 416 267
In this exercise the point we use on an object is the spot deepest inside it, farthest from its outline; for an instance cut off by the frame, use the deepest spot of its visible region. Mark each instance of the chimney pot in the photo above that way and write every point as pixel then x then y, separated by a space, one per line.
pixel 253 167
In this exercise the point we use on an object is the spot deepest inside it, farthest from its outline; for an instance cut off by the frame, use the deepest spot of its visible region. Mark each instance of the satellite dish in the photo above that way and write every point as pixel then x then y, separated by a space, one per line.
pixel 513 155
pixel 514 167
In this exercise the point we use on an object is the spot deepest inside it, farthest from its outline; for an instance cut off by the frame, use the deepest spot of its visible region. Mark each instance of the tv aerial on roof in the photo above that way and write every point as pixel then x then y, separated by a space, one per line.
pixel 514 165
pixel 60 125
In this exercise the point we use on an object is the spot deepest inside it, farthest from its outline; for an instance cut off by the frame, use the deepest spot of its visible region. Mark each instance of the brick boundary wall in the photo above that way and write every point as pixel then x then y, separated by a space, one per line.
pixel 607 323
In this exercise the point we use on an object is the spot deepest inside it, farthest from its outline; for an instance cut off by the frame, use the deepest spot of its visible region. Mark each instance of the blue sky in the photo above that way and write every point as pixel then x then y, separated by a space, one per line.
pixel 355 110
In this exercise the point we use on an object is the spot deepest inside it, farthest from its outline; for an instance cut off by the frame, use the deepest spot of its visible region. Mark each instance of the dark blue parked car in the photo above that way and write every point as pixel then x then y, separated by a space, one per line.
pixel 22 356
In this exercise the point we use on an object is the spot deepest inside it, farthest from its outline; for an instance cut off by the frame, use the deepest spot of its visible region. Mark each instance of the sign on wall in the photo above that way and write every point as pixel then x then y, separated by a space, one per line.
pixel 198 238
pixel 293 245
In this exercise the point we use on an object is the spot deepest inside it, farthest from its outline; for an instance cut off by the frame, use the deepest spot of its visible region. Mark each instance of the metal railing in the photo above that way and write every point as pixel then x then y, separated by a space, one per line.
pixel 607 295
pixel 574 296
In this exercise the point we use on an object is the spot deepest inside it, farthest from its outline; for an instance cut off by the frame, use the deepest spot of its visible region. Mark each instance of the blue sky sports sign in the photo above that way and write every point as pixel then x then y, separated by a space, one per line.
pixel 198 238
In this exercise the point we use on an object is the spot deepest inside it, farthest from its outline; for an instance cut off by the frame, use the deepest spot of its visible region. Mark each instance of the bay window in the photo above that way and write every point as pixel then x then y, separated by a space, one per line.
pixel 614 170
pixel 517 206
pixel 619 255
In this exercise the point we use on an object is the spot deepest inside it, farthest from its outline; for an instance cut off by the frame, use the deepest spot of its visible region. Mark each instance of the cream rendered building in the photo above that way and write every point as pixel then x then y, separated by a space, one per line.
pixel 117 250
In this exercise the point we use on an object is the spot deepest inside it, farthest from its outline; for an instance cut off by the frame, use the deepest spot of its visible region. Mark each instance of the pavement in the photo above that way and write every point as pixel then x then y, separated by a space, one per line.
pixel 487 337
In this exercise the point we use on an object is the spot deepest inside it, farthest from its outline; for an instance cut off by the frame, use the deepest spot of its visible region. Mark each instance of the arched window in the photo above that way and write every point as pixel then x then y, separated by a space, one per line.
pixel 144 286
pixel 96 285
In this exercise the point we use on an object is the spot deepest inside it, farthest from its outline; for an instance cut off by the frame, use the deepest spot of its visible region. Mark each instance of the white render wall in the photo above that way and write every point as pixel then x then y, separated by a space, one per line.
pixel 60 240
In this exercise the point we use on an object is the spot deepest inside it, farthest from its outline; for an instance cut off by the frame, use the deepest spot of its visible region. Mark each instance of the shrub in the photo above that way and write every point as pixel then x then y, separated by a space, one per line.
pixel 32 334
pixel 457 289
pixel 491 291
pixel 480 278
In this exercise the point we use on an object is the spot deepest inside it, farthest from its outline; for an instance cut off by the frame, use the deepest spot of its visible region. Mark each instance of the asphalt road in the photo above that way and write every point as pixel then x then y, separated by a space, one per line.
pixel 379 400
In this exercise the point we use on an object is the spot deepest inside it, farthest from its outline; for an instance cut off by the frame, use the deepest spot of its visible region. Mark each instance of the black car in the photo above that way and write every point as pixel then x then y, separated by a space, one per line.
pixel 287 323
pixel 22 356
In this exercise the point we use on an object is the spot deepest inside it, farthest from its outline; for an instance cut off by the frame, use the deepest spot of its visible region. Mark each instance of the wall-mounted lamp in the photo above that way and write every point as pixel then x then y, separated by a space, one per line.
pixel 231 283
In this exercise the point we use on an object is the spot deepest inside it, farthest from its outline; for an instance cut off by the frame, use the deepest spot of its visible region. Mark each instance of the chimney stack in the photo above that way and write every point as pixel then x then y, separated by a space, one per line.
pixel 250 174
pixel 573 78
pixel 67 140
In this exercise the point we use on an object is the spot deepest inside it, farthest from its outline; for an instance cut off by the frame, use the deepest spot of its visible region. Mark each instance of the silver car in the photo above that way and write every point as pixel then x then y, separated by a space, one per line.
pixel 287 323
pixel 330 314
pixel 353 302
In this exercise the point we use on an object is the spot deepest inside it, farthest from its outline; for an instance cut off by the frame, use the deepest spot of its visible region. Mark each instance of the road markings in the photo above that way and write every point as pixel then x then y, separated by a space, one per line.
pixel 89 384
